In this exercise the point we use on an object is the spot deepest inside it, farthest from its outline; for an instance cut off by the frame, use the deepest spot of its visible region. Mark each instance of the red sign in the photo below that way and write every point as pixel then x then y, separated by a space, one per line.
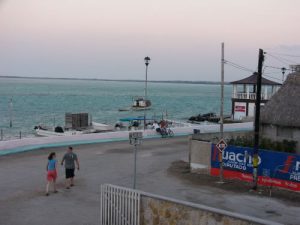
pixel 240 108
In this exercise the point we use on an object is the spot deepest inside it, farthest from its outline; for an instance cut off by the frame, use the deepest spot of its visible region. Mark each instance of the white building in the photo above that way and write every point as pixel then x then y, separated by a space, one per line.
pixel 244 95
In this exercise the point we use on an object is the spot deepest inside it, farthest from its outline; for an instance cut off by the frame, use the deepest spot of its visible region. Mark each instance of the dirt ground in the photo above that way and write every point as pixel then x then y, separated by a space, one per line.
pixel 181 170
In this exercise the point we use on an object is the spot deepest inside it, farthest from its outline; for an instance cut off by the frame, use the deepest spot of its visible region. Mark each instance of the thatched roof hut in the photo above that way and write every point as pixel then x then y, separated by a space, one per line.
pixel 283 109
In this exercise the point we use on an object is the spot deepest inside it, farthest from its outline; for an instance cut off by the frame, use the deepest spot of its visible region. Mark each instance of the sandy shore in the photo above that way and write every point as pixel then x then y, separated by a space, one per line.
pixel 22 199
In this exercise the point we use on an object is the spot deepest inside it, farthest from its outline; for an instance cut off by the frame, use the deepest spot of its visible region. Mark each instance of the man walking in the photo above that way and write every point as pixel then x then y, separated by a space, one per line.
pixel 69 159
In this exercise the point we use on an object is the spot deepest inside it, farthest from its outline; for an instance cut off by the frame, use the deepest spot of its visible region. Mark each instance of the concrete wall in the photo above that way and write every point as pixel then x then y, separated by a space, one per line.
pixel 215 136
pixel 200 156
pixel 270 131
pixel 200 149
pixel 157 210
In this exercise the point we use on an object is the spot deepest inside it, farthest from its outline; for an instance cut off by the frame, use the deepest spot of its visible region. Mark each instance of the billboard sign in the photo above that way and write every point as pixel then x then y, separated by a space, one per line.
pixel 274 168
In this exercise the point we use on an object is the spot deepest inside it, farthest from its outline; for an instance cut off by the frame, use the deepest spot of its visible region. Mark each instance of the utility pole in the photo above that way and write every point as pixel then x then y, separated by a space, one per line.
pixel 255 159
pixel 221 111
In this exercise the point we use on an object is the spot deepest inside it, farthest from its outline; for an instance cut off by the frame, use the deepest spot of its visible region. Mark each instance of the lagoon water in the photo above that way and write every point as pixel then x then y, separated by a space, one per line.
pixel 45 101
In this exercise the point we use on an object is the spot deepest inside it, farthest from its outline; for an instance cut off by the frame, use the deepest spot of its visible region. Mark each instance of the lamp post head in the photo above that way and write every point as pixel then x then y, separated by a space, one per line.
pixel 283 69
pixel 147 60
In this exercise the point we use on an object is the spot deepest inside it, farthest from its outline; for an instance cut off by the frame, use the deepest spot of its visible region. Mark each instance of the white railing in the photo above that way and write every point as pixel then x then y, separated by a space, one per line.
pixel 251 96
pixel 119 206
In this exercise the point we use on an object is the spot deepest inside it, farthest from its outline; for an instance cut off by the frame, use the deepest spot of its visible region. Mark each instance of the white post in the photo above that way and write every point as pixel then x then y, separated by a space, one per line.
pixel 134 175
pixel 234 91
pixel 248 91
pixel 266 92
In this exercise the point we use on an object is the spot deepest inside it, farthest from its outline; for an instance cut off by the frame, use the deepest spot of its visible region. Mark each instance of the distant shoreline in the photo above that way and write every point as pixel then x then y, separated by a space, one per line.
pixel 119 80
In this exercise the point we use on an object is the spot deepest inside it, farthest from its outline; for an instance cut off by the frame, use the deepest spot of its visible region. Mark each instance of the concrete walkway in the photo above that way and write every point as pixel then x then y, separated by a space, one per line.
pixel 22 199
pixel 28 144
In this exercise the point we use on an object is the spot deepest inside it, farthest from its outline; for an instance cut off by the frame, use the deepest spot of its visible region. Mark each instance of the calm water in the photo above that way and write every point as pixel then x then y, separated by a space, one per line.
pixel 46 101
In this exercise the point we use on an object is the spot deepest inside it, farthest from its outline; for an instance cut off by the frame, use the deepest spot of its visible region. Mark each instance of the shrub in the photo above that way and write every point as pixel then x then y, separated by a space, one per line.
pixel 265 143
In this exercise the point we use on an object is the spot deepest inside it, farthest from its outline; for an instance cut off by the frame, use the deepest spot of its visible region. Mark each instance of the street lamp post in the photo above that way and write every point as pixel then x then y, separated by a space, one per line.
pixel 147 61
pixel 283 69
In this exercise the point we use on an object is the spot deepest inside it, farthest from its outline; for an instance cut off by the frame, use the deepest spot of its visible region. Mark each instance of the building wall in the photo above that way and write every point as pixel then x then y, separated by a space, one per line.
pixel 277 133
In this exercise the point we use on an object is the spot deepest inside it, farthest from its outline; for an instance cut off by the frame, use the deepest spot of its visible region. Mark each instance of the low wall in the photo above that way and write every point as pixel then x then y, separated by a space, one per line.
pixel 158 210
pixel 215 136
pixel 200 156
pixel 200 149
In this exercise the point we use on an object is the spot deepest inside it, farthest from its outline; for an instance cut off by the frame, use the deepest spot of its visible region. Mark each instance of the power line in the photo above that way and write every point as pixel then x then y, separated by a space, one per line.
pixel 279 68
pixel 237 66
pixel 283 54
pixel 280 59
pixel 272 77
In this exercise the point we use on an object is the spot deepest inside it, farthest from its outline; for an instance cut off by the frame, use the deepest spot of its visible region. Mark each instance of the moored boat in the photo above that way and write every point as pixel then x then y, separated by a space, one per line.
pixel 75 124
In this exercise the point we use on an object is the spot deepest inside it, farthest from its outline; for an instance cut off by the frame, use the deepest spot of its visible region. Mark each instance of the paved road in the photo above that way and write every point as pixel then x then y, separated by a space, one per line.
pixel 22 178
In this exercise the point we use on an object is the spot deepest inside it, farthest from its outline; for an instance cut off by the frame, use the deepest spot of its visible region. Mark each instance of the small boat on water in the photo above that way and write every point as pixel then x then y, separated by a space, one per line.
pixel 139 103
pixel 75 124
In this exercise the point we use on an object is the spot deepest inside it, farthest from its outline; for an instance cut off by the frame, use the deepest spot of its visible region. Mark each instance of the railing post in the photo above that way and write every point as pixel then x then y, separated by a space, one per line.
pixel 1 135
pixel 119 206
pixel 20 134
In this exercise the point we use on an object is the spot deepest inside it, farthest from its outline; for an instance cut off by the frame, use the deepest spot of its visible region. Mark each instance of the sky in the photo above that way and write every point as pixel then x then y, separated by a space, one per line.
pixel 108 39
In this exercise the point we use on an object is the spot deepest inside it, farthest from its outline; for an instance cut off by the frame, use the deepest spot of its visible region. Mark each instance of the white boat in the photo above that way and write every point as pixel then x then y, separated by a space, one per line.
pixel 49 133
pixel 102 127
pixel 139 104
pixel 59 131
pixel 75 124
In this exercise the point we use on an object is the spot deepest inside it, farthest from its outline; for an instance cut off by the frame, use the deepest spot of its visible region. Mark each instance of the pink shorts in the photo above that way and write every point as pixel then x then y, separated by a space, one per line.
pixel 51 175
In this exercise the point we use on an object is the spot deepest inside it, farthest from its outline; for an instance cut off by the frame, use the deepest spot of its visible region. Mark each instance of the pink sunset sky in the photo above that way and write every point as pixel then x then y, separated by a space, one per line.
pixel 110 38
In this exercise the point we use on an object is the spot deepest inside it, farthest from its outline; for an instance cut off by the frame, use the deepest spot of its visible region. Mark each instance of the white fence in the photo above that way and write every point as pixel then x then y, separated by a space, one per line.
pixel 119 206
pixel 124 206
pixel 251 96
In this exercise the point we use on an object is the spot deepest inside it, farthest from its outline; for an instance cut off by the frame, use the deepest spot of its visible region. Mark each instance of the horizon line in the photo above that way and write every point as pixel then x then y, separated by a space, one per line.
pixel 119 80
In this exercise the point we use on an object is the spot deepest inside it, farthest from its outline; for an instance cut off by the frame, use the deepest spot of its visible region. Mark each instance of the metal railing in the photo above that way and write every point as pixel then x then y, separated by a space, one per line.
pixel 251 96
pixel 11 135
pixel 119 206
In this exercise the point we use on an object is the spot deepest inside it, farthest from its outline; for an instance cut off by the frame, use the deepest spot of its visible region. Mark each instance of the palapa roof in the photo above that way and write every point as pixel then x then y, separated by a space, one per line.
pixel 253 80
pixel 283 109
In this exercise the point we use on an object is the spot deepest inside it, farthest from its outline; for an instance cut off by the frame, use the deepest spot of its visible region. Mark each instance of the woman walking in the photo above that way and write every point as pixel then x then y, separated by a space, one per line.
pixel 51 172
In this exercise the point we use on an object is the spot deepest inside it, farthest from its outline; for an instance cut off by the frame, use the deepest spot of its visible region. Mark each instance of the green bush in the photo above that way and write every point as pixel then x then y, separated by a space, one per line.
pixel 265 143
